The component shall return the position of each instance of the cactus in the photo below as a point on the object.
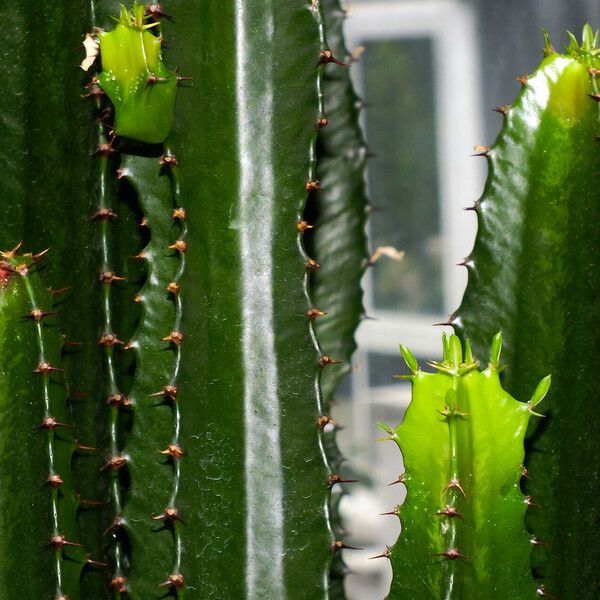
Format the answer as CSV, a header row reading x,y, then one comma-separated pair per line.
x,y
533,272
463,528
37,443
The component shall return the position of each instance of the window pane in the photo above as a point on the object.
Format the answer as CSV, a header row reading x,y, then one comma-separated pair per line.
x,y
398,85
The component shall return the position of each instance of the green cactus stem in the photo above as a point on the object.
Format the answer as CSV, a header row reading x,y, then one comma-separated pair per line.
x,y
463,520
135,78
534,273
39,502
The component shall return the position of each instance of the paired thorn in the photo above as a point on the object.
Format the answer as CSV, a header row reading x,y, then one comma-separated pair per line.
x,y
335,478
51,424
54,481
476,206
338,545
119,584
450,511
176,580
314,313
324,420
174,288
115,463
392,513
401,479
326,57
175,337
327,360
37,315
169,514
59,542
108,277
109,340
481,150
118,400
522,79
156,12
45,368
502,109
312,265
104,214
455,484
174,451
169,160
452,554
385,554
302,226
169,391
105,148
179,245
179,213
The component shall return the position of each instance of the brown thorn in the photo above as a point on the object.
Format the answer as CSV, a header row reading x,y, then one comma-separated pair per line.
x,y
312,265
59,291
481,150
302,226
81,448
119,584
324,420
144,222
338,545
314,313
326,57
541,591
327,360
115,463
109,340
45,368
175,337
59,542
322,122
12,253
169,514
525,472
51,424
175,451
39,255
168,160
91,502
118,400
452,554
179,245
137,299
455,484
95,563
530,503
450,511
385,554
522,79
176,581
139,256
54,480
335,478
117,523
400,479
595,97
174,288
109,277
502,109
37,315
313,185
169,391
179,213
104,214
391,513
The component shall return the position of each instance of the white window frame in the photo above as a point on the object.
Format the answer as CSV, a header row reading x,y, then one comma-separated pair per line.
x,y
451,26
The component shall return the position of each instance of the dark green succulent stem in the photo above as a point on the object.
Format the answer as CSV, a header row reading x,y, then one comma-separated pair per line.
x,y
534,272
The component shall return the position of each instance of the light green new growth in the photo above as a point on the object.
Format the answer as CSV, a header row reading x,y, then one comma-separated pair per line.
x,y
135,78
463,530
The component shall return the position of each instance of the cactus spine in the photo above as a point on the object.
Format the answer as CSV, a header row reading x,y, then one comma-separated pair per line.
x,y
533,272
463,521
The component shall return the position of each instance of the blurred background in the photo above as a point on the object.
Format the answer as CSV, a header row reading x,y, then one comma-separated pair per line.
x,y
430,74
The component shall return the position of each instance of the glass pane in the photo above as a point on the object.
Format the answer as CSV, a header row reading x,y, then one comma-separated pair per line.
x,y
398,85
